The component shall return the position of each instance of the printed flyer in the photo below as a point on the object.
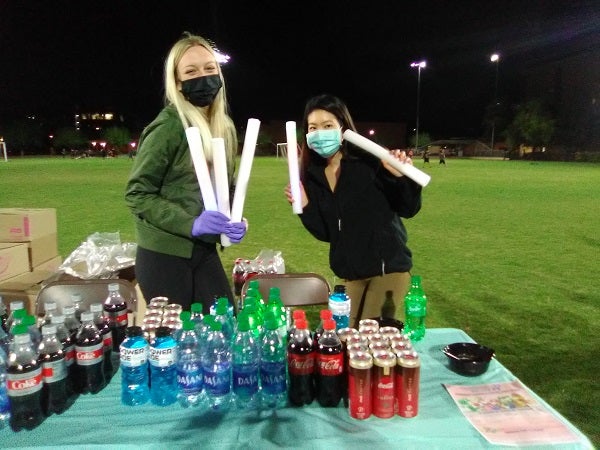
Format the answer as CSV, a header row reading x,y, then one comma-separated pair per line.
x,y
507,414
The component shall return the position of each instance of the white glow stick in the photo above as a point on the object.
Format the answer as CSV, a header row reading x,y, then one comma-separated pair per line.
x,y
409,170
221,181
292,153
241,184
197,151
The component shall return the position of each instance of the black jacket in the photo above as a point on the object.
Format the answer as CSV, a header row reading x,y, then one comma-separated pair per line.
x,y
361,219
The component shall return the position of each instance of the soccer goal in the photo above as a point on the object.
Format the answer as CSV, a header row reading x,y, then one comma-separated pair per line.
x,y
282,148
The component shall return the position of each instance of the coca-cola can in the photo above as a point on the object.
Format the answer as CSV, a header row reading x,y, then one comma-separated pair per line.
x,y
174,323
408,371
172,308
153,315
377,337
359,385
389,331
360,339
378,346
345,333
368,323
384,364
159,301
401,346
154,311
356,347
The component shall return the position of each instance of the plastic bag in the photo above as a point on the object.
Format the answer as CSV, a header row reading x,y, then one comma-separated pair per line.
x,y
100,256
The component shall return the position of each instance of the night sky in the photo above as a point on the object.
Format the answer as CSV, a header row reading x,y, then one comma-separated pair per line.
x,y
57,57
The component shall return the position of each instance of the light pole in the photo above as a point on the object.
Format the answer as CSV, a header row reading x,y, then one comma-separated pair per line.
x,y
495,58
419,65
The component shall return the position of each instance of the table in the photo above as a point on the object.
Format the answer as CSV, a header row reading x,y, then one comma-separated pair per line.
x,y
100,421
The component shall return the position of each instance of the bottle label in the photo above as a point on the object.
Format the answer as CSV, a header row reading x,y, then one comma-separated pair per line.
x,y
163,357
301,364
272,378
133,357
54,371
415,310
117,317
88,356
330,365
107,341
245,379
190,377
20,384
217,382
69,355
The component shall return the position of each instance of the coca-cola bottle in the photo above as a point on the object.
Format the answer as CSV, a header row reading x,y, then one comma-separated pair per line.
x,y
102,324
301,365
324,314
89,356
115,308
24,382
68,346
329,373
55,396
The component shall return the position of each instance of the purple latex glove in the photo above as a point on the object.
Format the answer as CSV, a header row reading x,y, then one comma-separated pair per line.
x,y
210,222
235,231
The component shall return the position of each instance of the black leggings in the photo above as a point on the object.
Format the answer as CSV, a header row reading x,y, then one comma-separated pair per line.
x,y
200,278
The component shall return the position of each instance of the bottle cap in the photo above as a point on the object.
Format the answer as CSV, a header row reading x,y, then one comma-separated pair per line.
x,y
16,304
134,331
28,320
196,308
339,288
185,315
298,314
19,314
58,318
112,287
329,324
20,329
68,310
49,306
253,284
87,316
274,292
48,330
216,326
222,305
301,324
243,321
208,319
163,332
96,307
270,321
325,314
76,297
188,325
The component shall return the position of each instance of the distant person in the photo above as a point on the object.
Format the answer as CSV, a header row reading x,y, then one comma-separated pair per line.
x,y
176,236
355,202
426,157
442,157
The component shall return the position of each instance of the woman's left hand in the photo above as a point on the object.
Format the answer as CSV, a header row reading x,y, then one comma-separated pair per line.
x,y
401,156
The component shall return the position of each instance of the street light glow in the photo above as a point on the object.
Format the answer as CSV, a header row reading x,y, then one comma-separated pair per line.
x,y
495,57
419,64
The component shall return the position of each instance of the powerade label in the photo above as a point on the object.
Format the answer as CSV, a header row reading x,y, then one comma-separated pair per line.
x,y
245,379
330,365
20,384
88,356
190,378
301,364
53,371
272,377
133,357
163,357
217,383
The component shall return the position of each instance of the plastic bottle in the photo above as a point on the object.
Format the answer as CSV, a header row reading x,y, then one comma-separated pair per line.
x,y
273,364
55,394
329,373
245,352
415,310
89,356
4,400
133,355
77,302
296,314
102,324
3,315
255,317
34,331
68,345
301,365
196,316
276,306
115,308
388,309
24,383
15,305
189,366
324,314
163,369
49,310
4,341
216,365
71,322
221,315
339,304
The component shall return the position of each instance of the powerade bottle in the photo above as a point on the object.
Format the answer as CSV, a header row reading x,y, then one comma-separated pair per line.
x,y
245,362
273,364
163,370
102,323
216,365
339,304
189,366
115,308
55,393
415,310
89,356
134,368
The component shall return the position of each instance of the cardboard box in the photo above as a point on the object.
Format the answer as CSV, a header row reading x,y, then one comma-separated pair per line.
x,y
14,259
25,224
51,265
42,249
24,287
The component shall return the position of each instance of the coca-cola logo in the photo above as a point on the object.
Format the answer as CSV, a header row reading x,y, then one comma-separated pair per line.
x,y
385,385
301,365
330,365
24,384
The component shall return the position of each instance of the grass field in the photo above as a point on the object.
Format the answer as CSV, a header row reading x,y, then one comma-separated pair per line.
x,y
508,251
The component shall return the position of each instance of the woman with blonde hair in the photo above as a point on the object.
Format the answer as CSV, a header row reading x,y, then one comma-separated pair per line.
x,y
176,236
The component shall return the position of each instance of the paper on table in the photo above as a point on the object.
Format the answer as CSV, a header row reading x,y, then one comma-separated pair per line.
x,y
241,184
506,414
221,182
409,170
201,168
292,152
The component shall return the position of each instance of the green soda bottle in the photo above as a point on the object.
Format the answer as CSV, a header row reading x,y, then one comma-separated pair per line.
x,y
415,310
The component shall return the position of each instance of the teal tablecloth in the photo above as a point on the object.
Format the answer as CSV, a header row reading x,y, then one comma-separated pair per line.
x,y
100,420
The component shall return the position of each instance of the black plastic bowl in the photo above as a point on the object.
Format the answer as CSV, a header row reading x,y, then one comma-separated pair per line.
x,y
389,322
467,358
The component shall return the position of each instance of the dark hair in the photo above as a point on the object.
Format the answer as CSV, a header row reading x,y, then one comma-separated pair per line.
x,y
333,105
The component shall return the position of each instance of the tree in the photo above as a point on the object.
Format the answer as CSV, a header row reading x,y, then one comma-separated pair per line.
x,y
23,136
69,138
424,139
532,125
118,137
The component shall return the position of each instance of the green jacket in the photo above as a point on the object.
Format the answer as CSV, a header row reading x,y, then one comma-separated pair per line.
x,y
163,192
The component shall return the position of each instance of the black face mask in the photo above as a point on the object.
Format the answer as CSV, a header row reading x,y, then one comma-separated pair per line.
x,y
201,91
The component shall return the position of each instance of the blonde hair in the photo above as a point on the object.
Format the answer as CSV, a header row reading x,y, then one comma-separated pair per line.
x,y
212,121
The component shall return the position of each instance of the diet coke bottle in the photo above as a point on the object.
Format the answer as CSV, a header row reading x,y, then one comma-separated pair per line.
x,y
24,382
89,355
55,395
115,309
301,365
103,325
68,346
329,374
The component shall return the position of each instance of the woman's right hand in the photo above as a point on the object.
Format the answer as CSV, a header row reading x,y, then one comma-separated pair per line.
x,y
290,198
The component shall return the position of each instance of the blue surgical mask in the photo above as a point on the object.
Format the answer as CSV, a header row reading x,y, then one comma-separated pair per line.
x,y
325,142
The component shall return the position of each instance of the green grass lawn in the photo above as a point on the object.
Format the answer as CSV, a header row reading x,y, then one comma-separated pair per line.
x,y
508,251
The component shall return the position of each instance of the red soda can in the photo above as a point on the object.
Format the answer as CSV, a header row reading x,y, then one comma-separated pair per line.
x,y
407,383
359,385
384,363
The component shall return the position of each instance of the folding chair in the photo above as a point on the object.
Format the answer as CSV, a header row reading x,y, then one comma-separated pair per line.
x,y
296,289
